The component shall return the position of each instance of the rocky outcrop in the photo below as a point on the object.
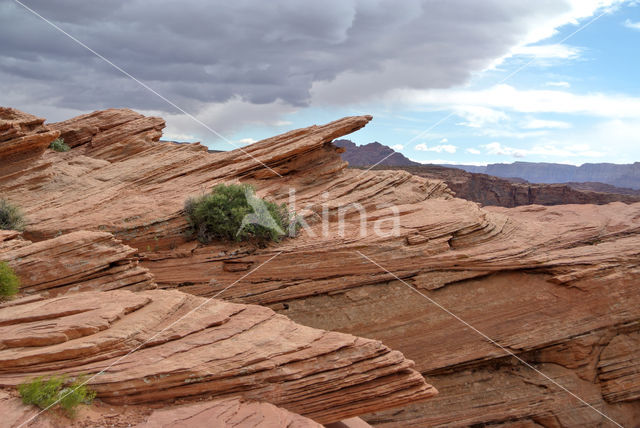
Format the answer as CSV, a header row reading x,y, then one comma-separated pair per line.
x,y
78,261
136,189
489,190
155,346
557,286
224,413
618,368
112,135
23,138
227,413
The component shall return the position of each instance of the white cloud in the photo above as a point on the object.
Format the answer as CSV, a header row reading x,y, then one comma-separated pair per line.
x,y
551,51
246,141
479,116
617,139
496,148
227,118
480,106
390,45
444,140
397,147
548,149
508,133
473,151
171,136
448,148
377,82
633,25
539,123
561,84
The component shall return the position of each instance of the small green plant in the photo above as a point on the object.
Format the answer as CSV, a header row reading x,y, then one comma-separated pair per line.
x,y
233,212
56,391
11,217
9,281
59,145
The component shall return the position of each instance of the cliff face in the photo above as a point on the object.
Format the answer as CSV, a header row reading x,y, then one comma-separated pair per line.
x,y
557,286
488,190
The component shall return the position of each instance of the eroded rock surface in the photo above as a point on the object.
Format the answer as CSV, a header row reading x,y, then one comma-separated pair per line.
x,y
555,285
155,346
227,413
23,138
78,261
224,413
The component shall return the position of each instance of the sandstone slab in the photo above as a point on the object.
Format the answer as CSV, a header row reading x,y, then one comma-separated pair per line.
x,y
155,346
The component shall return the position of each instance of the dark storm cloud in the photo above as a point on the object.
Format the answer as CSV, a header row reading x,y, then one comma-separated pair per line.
x,y
197,52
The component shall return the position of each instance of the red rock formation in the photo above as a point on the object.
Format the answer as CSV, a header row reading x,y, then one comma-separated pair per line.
x,y
227,413
23,138
555,285
137,188
78,261
155,346
112,135
224,413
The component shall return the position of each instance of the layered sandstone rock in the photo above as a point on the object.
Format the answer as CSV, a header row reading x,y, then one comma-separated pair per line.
x,y
23,138
135,187
155,346
555,285
224,413
112,135
227,413
78,261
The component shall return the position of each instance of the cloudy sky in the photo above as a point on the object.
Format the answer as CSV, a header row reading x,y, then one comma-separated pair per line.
x,y
447,81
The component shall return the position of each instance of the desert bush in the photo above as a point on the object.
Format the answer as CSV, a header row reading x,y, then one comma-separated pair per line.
x,y
59,145
11,217
55,391
9,281
233,212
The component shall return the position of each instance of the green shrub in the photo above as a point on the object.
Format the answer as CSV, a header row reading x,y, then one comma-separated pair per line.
x,y
59,145
54,391
233,212
9,281
11,217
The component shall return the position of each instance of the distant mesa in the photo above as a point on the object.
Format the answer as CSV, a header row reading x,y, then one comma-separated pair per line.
x,y
619,175
371,154
512,185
